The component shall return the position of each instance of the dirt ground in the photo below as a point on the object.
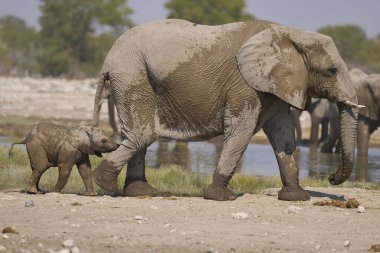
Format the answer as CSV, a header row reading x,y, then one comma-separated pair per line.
x,y
183,224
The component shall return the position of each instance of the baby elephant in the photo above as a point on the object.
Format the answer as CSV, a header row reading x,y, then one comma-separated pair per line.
x,y
49,145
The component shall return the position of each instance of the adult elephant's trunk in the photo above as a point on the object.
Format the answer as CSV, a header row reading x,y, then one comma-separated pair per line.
x,y
348,120
98,99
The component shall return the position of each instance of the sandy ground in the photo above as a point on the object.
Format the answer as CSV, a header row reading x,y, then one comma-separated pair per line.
x,y
183,224
106,224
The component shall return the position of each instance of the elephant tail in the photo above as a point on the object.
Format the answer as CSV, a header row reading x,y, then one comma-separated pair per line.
x,y
104,76
24,141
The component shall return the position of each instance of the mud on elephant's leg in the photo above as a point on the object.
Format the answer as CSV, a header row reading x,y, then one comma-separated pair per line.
x,y
238,133
106,174
135,180
84,168
280,132
64,173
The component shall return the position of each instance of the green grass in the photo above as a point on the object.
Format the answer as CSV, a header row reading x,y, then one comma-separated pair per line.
x,y
169,180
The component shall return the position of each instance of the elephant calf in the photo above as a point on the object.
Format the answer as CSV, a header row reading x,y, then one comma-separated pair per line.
x,y
50,145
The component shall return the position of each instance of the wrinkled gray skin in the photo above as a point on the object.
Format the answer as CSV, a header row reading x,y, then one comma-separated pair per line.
x,y
184,81
324,113
49,145
368,92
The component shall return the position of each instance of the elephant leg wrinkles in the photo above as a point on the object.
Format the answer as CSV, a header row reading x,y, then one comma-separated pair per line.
x,y
280,132
238,132
135,180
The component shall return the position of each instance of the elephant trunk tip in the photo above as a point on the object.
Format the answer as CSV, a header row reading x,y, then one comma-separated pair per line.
x,y
337,178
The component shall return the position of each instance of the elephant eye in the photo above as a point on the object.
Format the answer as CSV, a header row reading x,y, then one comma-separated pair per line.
x,y
104,140
332,71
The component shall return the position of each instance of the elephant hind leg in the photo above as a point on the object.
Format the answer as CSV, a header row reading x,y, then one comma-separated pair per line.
x,y
135,180
39,164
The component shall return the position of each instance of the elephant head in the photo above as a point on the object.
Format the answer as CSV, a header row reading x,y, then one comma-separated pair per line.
x,y
368,92
295,65
91,140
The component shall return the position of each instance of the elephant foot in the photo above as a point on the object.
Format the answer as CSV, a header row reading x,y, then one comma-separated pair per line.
x,y
220,193
90,193
106,177
139,188
293,193
31,189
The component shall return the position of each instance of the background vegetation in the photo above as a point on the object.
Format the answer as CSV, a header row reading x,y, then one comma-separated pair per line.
x,y
75,35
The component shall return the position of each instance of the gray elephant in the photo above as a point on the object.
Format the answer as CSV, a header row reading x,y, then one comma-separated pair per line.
x,y
325,113
49,145
368,92
185,81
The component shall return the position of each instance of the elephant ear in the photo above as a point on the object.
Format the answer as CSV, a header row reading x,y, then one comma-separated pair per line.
x,y
80,138
271,62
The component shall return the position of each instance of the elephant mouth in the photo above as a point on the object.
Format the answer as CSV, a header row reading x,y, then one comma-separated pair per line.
x,y
98,154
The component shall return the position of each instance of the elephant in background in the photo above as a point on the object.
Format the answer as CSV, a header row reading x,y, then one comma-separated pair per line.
x,y
184,81
325,113
49,145
368,93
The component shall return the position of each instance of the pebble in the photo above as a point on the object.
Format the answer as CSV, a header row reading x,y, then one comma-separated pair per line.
x,y
361,209
5,236
168,225
154,207
240,216
139,217
29,203
40,245
2,248
317,247
75,250
292,210
347,244
139,222
68,243
64,251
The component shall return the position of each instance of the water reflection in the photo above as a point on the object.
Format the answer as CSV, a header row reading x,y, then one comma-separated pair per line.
x,y
258,159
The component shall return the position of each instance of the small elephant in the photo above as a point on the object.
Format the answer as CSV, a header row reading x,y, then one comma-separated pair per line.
x,y
49,145
179,80
368,92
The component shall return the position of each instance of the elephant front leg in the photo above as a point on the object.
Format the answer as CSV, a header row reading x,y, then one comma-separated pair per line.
x,y
64,173
84,168
238,133
135,180
280,132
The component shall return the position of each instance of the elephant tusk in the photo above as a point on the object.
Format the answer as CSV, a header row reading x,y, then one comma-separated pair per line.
x,y
350,104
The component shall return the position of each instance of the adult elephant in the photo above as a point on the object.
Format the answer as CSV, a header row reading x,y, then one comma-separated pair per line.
x,y
185,81
368,92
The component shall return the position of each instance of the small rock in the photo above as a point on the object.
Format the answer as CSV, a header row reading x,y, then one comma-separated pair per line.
x,y
361,209
317,247
154,207
9,230
292,210
73,210
64,251
40,245
139,222
76,204
5,236
240,216
2,248
75,250
347,244
139,217
270,191
23,241
75,225
68,243
168,225
29,203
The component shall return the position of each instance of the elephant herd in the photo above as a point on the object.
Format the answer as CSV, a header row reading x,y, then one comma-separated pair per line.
x,y
183,81
325,113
